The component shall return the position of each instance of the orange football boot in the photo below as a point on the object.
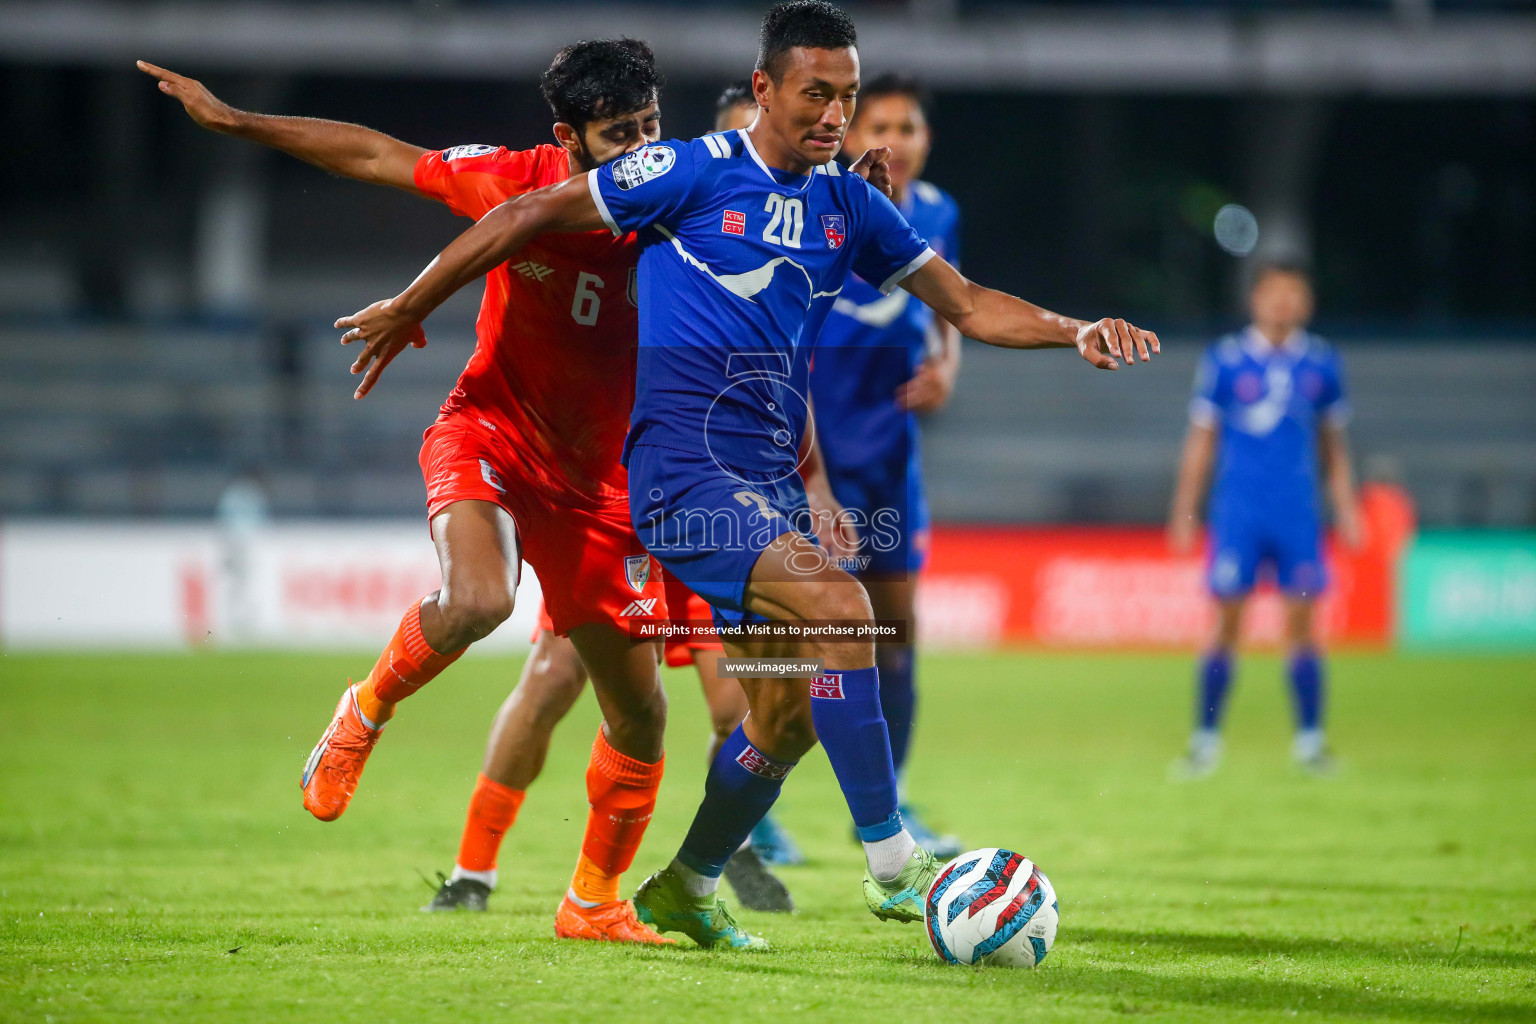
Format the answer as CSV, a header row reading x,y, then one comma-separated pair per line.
x,y
336,764
606,922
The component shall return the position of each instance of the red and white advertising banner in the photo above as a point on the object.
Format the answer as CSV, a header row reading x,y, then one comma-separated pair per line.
x,y
311,585
1089,587
346,584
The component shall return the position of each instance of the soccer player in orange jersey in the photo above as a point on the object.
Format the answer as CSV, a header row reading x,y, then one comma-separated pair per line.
x,y
523,459
553,678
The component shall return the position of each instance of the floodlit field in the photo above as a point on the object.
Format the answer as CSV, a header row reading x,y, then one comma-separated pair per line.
x,y
156,864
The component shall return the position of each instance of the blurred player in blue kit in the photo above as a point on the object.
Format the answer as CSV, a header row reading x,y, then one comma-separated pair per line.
x,y
882,359
748,239
1269,410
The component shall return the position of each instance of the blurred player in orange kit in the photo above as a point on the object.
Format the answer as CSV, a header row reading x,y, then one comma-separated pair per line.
x,y
552,680
523,459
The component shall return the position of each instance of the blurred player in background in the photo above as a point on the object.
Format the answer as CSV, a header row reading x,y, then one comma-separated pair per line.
x,y
1269,407
880,360
736,107
523,459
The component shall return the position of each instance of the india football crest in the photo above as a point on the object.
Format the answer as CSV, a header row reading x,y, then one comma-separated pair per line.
x,y
637,572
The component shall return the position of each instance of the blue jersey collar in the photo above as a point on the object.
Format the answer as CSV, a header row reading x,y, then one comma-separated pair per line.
x,y
746,140
1258,347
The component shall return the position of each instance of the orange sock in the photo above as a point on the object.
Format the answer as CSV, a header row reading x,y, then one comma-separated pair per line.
x,y
492,810
622,794
406,665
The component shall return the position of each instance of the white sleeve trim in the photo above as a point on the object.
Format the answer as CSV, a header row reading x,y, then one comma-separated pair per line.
x,y
1203,412
889,284
602,207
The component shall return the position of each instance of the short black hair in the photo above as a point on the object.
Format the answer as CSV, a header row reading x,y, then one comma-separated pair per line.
x,y
811,23
598,78
894,83
736,93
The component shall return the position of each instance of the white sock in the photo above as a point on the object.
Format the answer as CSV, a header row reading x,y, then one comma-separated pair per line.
x,y
694,883
888,856
487,878
1205,743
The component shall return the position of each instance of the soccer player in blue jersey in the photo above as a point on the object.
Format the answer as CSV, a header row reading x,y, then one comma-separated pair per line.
x,y
882,359
748,240
735,107
1269,406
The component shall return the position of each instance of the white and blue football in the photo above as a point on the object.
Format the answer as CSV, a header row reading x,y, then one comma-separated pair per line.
x,y
991,907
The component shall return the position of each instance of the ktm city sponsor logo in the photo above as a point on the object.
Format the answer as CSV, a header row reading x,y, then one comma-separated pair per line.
x,y
757,763
734,223
827,687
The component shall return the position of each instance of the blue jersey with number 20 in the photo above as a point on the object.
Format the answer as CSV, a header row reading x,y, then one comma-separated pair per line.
x,y
740,265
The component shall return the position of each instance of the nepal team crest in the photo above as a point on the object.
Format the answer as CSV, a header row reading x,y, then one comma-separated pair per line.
x,y
835,228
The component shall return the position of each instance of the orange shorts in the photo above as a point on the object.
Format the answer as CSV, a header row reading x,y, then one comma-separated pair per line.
x,y
682,603
590,563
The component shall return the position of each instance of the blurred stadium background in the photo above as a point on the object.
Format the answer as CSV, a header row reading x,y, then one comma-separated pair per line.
x,y
181,461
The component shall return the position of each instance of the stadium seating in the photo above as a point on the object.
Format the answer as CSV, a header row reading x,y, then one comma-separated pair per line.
x,y
139,420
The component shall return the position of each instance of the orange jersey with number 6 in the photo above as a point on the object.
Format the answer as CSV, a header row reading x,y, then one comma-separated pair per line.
x,y
553,371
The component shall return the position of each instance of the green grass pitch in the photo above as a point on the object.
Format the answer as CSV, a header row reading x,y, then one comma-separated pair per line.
x,y
156,864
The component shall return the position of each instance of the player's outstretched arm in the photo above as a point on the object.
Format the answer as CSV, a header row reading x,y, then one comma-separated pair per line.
x,y
997,318
349,150
1333,445
387,327
1194,470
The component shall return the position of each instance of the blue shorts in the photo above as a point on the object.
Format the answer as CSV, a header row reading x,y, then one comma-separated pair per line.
x,y
891,506
1284,542
707,526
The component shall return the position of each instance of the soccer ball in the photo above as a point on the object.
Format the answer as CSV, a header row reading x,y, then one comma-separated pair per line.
x,y
991,907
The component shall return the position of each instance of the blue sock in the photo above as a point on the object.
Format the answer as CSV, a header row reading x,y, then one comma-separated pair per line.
x,y
898,700
1215,677
845,707
1306,671
742,784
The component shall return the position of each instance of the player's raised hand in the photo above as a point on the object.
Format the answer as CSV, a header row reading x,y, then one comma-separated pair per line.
x,y
202,106
385,334
875,167
834,525
929,388
1104,341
